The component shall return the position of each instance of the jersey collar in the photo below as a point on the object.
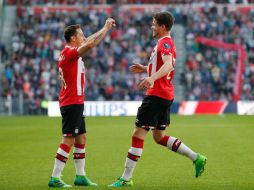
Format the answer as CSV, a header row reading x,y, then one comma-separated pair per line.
x,y
168,36
71,47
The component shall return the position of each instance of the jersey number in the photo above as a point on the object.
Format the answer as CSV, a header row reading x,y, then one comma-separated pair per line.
x,y
171,73
61,76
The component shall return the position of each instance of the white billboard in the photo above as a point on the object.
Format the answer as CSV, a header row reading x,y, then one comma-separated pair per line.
x,y
245,107
101,108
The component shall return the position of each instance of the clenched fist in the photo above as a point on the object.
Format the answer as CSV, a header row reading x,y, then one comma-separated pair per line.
x,y
109,23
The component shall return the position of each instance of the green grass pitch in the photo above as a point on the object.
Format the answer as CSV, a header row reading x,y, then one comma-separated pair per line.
x,y
28,146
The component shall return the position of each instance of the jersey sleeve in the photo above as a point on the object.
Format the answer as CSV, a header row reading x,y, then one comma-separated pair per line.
x,y
72,53
165,48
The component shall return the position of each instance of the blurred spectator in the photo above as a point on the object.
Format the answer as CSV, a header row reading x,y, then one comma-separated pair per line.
x,y
3,53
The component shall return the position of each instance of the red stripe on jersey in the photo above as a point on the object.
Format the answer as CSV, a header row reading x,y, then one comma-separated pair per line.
x,y
164,140
79,155
81,146
137,143
65,147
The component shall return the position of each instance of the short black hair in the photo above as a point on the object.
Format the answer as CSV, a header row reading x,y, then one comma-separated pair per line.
x,y
164,18
70,31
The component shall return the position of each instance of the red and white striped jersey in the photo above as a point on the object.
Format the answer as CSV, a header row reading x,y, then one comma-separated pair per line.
x,y
163,87
72,76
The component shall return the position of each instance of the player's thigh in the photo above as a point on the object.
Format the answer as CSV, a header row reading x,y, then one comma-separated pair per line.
x,y
72,119
82,126
164,116
147,115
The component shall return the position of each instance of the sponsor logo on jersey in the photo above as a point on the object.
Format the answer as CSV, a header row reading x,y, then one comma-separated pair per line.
x,y
166,45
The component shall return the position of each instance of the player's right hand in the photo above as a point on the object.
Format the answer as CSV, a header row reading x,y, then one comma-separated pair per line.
x,y
137,68
109,23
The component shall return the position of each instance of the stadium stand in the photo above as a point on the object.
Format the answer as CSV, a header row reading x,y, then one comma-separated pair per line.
x,y
210,72
89,2
31,67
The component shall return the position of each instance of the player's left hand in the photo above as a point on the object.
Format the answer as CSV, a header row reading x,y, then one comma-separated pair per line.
x,y
137,68
146,83
109,23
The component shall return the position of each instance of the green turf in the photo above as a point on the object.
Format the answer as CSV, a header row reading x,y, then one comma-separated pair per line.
x,y
28,146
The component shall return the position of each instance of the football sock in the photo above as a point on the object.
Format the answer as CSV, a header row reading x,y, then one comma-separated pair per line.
x,y
176,145
79,156
133,156
60,160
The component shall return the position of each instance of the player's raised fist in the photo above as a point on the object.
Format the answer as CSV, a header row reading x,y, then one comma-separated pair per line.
x,y
110,22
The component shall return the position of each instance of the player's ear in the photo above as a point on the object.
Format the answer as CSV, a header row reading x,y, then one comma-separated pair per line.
x,y
73,38
164,27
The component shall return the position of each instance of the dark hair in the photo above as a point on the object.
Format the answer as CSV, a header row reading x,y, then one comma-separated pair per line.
x,y
164,18
70,31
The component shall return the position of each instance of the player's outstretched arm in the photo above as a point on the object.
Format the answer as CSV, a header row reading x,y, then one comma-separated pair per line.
x,y
96,38
138,68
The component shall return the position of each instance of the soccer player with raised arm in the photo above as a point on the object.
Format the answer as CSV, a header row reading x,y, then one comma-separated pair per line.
x,y
155,108
71,100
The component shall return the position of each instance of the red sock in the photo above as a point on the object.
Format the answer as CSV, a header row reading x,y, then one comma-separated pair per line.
x,y
164,140
63,152
137,143
79,151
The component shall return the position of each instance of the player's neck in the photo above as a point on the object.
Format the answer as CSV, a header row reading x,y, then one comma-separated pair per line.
x,y
71,44
166,34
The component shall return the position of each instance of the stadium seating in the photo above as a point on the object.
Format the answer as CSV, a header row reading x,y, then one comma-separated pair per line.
x,y
208,73
86,2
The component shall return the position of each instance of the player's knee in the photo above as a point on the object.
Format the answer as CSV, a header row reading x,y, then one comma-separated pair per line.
x,y
139,133
80,139
68,141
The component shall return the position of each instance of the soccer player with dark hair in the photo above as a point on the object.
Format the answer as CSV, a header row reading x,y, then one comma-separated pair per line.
x,y
155,108
71,100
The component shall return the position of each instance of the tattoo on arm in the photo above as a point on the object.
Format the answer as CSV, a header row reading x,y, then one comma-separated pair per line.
x,y
98,38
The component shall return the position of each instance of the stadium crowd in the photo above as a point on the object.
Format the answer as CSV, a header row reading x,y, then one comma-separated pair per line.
x,y
208,75
210,72
89,2
38,40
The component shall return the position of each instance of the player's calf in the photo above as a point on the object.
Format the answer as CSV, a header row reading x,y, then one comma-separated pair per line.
x,y
133,156
178,146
